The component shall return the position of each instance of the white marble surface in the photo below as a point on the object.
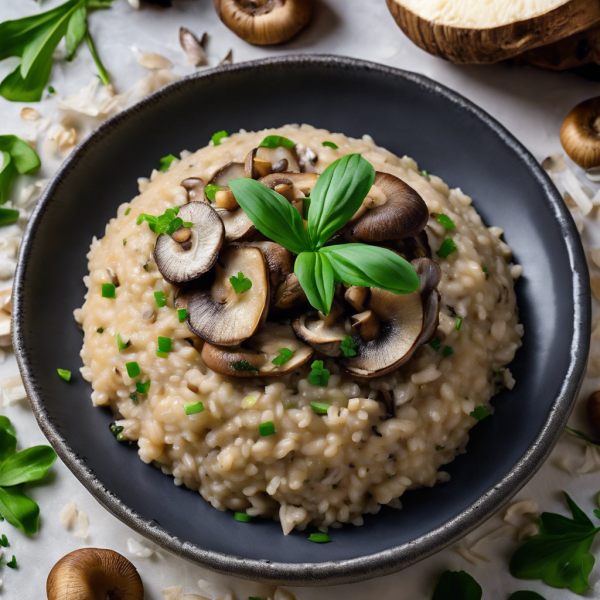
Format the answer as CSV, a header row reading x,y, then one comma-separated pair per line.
x,y
529,103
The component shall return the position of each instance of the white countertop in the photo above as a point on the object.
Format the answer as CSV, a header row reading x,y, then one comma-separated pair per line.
x,y
530,103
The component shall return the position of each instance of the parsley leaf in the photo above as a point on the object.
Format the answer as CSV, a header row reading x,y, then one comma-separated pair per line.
x,y
318,375
167,223
240,283
217,137
165,162
284,355
18,158
348,347
457,585
560,554
480,413
244,365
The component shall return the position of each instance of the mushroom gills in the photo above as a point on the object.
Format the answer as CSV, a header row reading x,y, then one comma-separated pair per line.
x,y
258,352
181,262
323,333
218,314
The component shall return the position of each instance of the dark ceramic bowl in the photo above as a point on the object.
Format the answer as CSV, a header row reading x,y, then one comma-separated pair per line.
x,y
404,112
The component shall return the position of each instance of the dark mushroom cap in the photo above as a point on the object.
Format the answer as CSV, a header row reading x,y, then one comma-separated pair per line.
x,y
232,170
404,214
183,262
219,315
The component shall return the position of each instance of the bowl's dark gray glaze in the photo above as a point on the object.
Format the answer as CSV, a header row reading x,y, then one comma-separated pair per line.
x,y
404,112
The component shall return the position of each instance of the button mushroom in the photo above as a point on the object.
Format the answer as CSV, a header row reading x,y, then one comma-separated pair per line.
x,y
256,359
189,252
323,332
220,315
194,187
94,574
580,133
263,161
403,215
264,22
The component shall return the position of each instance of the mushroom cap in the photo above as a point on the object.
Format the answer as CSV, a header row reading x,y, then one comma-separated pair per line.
x,y
194,187
303,182
219,315
232,170
237,223
178,265
261,349
289,294
94,574
580,133
280,261
404,214
274,156
264,22
324,333
430,276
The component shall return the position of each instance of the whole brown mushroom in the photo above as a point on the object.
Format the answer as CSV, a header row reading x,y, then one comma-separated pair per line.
x,y
264,22
94,574
580,133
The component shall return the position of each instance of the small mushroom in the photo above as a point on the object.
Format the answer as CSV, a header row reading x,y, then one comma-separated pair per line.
x,y
180,262
323,332
580,133
357,297
263,161
94,574
289,294
225,199
403,215
264,22
259,352
366,324
194,187
218,314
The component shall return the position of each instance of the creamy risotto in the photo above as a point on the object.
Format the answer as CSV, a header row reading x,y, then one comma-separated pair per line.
x,y
225,419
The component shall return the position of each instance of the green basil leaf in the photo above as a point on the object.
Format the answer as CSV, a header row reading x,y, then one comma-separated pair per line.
x,y
271,213
24,156
337,195
8,172
526,595
372,266
75,30
457,585
19,510
16,89
8,440
274,141
315,275
27,465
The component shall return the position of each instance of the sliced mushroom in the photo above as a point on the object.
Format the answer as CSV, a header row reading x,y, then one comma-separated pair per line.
x,y
403,215
180,262
259,352
580,133
195,188
307,159
238,225
357,297
218,314
289,294
94,574
367,325
430,276
324,333
280,261
263,161
264,22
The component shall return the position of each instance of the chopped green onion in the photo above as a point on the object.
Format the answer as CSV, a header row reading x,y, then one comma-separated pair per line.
x,y
217,137
117,431
182,314
12,564
435,344
51,90
128,211
133,369
211,190
100,330
108,290
274,141
162,354
64,374
480,413
438,448
121,345
348,346
425,174
487,275
142,387
318,375
242,517
160,299
319,538
458,323
134,397
164,343
4,541
8,216
331,145
447,351
266,429
240,283
243,365
284,355
124,241
320,407
249,401
193,408
147,267
445,220
447,248
165,162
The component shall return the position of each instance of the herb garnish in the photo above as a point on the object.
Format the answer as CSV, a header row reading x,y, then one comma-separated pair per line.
x,y
4,541
165,162
133,369
182,314
487,275
108,290
266,429
337,195
167,223
34,40
18,156
243,365
8,216
159,298
319,538
217,137
274,141
445,220
117,431
242,517
560,554
318,375
211,191
100,330
425,174
16,469
164,346
12,563
458,323
480,413
121,344
457,585
320,407
284,355
142,387
586,438
348,346
193,408
447,247
240,283
331,145
435,344
64,374
447,351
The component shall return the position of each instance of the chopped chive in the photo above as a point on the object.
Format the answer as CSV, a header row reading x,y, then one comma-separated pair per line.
x,y
12,564
133,369
249,401
319,538
211,190
480,413
64,374
117,431
458,323
438,448
447,351
100,330
121,345
487,275
425,174
134,397
318,375
266,429
284,355
8,216
331,145
4,541
160,299
108,290
165,162
435,344
447,248
348,346
445,220
192,408
217,137
162,354
128,211
147,267
142,387
164,343
274,141
320,407
124,241
51,90
242,517
182,314
392,476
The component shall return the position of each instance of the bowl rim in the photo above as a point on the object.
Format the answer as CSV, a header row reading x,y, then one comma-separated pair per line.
x,y
398,557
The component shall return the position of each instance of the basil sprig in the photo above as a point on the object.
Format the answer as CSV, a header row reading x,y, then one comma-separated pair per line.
x,y
18,158
337,195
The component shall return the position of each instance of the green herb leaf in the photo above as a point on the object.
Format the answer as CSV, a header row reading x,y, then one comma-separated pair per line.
x,y
12,563
142,387
318,375
560,554
192,408
337,195
457,585
133,369
266,429
165,162
445,220
8,440
458,323
240,283
448,246
284,355
526,595
271,213
4,541
348,347
108,290
448,351
8,216
319,538
19,510
425,174
64,374
315,274
274,141
435,344
320,407
242,517
487,274
164,343
211,191
18,158
371,266
159,298
331,145
182,314
480,413
27,465
243,365
217,137
75,30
